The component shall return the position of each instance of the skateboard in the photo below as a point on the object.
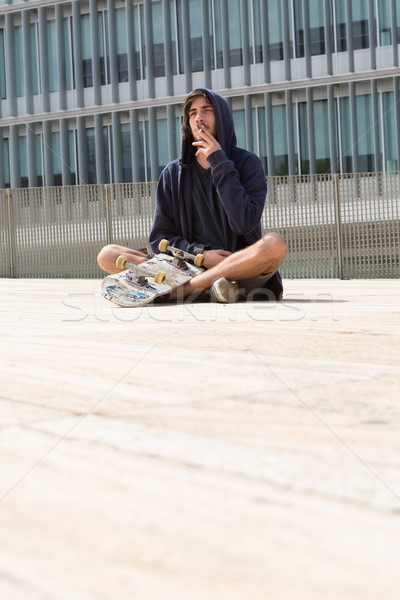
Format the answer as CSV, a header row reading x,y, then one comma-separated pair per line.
x,y
138,285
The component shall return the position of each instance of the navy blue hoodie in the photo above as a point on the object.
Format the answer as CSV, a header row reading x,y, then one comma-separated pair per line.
x,y
238,177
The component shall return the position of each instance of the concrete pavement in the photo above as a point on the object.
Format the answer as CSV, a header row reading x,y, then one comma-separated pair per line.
x,y
200,451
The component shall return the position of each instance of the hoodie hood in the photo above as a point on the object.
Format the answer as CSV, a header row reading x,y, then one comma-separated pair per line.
x,y
224,125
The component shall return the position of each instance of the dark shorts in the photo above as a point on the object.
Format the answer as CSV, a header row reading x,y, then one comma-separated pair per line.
x,y
253,287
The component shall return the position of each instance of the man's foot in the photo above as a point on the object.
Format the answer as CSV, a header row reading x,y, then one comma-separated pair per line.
x,y
224,291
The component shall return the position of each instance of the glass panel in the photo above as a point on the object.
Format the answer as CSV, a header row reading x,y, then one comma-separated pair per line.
x,y
101,26
3,89
107,157
398,20
240,128
345,135
146,151
299,28
385,22
38,152
275,29
341,27
255,35
389,126
321,126
158,39
52,55
72,155
303,137
140,48
360,24
365,134
261,138
6,163
317,30
56,152
23,161
196,39
235,33
68,52
179,27
19,62
126,152
122,55
162,135
173,36
141,145
86,51
91,155
34,58
217,27
280,140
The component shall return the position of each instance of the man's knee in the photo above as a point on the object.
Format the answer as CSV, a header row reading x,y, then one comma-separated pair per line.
x,y
107,256
273,246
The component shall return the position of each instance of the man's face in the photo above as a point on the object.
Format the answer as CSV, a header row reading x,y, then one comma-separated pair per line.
x,y
201,116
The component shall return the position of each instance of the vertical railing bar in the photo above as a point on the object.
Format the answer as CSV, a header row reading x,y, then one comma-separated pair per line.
x,y
11,231
338,224
108,213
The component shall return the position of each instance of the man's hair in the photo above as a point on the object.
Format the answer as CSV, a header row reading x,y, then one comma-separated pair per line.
x,y
186,131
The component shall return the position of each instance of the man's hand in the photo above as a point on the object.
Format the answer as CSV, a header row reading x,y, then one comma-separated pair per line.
x,y
206,143
214,257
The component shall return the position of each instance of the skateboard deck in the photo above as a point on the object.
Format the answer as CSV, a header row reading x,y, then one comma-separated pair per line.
x,y
140,284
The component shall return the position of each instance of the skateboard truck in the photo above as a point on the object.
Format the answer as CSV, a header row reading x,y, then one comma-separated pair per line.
x,y
181,255
141,273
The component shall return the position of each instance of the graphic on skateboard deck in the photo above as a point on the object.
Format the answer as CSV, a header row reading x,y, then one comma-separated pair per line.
x,y
140,284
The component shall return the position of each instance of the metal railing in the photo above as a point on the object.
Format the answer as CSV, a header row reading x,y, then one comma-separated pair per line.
x,y
335,226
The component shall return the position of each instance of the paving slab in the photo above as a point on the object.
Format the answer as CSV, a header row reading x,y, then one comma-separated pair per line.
x,y
200,451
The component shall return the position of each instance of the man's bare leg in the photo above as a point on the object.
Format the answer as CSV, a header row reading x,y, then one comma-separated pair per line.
x,y
265,256
107,257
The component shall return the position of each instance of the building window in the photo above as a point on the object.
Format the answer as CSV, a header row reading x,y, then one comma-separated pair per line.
x,y
366,162
196,36
34,57
275,29
341,26
23,161
52,55
389,126
86,51
126,152
38,159
56,158
122,49
3,88
140,47
235,34
72,155
69,70
346,147
317,29
360,24
91,155
158,39
321,127
216,28
19,62
255,33
6,162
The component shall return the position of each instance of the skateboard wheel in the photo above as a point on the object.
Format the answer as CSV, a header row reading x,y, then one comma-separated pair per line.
x,y
163,245
198,260
121,262
159,277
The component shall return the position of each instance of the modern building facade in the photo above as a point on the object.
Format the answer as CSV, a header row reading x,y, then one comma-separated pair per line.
x,y
92,91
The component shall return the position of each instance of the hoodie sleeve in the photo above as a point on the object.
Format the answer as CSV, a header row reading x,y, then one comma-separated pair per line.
x,y
167,219
243,193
